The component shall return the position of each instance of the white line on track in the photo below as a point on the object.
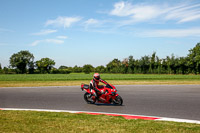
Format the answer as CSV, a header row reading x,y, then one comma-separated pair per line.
x,y
127,116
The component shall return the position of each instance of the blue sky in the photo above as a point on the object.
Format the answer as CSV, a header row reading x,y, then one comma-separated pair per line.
x,y
97,31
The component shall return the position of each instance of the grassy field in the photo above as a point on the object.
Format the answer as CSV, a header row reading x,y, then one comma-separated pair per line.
x,y
21,80
47,122
80,76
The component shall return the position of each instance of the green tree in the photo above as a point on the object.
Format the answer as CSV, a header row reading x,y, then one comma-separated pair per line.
x,y
163,66
183,65
100,69
77,69
172,64
5,70
194,59
63,67
176,65
124,66
21,60
145,64
168,62
45,64
152,62
114,66
88,68
1,71
137,68
131,64
31,67
158,66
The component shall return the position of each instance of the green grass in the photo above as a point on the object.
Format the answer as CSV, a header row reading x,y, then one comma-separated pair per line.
x,y
75,79
51,122
77,76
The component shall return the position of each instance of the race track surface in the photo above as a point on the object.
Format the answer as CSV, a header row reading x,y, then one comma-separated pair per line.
x,y
174,101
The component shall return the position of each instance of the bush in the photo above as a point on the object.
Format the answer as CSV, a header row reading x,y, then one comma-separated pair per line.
x,y
1,71
6,70
60,71
88,69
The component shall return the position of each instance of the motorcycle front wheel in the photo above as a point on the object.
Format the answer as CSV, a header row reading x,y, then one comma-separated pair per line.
x,y
88,98
118,100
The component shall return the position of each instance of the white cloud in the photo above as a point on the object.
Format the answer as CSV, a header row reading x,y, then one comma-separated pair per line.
x,y
36,42
91,21
122,9
62,37
96,25
145,12
63,21
190,18
137,12
192,32
185,13
54,41
45,32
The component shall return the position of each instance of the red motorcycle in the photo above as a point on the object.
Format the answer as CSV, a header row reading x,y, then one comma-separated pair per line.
x,y
108,94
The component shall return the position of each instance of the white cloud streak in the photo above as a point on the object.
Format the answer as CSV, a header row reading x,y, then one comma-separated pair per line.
x,y
62,37
45,32
53,41
185,13
65,22
171,33
145,12
138,12
91,21
97,25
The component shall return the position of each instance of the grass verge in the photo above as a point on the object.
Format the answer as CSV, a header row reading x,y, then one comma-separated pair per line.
x,y
47,122
81,76
78,83
75,79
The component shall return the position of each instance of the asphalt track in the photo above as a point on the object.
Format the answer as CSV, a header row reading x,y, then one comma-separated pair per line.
x,y
174,101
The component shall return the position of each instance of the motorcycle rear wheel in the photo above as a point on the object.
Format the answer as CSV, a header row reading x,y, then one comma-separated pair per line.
x,y
118,100
88,98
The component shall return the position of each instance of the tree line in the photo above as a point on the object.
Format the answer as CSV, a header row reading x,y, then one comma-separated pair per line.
x,y
23,62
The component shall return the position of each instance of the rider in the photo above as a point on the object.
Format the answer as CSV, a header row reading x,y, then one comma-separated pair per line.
x,y
94,84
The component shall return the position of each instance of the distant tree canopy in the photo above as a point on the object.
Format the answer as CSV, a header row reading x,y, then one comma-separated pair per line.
x,y
63,67
194,59
44,65
148,64
114,66
21,61
77,69
100,69
88,68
